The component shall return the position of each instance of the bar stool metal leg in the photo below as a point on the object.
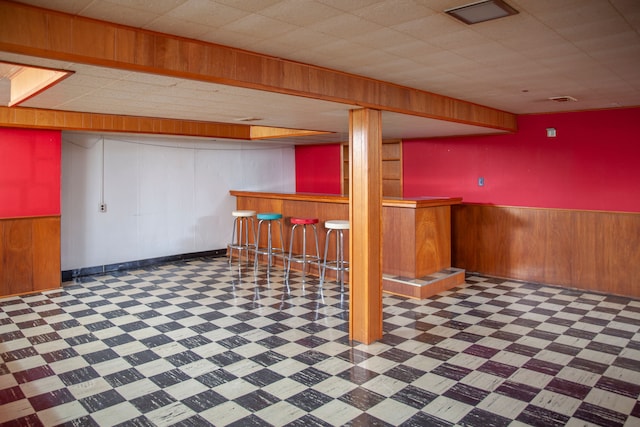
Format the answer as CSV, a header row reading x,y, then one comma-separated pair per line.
x,y
270,251
304,258
339,264
243,222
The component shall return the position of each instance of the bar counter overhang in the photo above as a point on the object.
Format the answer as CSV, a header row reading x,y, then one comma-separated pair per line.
x,y
416,252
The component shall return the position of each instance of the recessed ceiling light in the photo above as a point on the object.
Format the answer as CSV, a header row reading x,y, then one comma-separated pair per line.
x,y
480,11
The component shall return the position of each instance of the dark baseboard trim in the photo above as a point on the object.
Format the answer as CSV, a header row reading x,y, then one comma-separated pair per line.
x,y
68,275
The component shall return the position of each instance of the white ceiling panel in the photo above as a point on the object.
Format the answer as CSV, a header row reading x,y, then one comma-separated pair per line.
x,y
589,49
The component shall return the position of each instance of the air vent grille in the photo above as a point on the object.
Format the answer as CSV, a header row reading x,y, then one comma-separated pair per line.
x,y
565,98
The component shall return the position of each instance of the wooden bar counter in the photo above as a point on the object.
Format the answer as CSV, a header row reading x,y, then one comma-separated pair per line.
x,y
416,234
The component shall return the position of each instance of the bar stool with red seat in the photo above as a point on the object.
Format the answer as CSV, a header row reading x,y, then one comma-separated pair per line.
x,y
303,258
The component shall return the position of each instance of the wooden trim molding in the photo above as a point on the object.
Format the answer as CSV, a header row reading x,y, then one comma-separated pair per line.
x,y
592,250
36,118
34,31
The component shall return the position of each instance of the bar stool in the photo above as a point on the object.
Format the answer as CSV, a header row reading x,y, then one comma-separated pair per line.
x,y
304,258
339,264
242,221
270,251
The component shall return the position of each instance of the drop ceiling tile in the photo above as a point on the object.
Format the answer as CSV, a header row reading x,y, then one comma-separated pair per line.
x,y
553,50
254,25
249,5
82,82
302,38
345,26
425,28
415,50
577,13
349,6
108,73
593,30
68,6
620,44
228,38
458,39
299,13
155,6
271,48
172,25
123,14
393,12
489,53
344,48
380,69
518,32
151,80
365,63
383,38
205,12
446,61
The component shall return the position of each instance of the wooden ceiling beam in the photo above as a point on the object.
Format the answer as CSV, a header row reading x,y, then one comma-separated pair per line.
x,y
54,35
38,118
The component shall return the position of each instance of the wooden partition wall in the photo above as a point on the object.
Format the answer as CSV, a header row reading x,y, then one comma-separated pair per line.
x,y
590,250
29,254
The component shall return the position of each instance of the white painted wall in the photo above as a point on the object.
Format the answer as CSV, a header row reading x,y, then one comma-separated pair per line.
x,y
164,196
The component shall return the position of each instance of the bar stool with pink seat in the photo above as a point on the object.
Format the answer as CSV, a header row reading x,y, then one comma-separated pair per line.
x,y
304,257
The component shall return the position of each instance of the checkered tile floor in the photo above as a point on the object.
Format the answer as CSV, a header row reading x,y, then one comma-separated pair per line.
x,y
198,343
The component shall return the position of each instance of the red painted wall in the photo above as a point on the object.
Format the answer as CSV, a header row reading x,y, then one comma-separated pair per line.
x,y
592,164
29,172
318,169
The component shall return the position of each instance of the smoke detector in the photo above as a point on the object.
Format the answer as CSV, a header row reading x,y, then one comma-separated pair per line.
x,y
565,98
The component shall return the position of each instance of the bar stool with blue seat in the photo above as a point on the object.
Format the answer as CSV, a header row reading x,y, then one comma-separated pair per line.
x,y
338,264
243,223
303,257
270,250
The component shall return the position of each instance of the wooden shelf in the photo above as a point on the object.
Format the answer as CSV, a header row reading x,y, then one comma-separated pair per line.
x,y
391,168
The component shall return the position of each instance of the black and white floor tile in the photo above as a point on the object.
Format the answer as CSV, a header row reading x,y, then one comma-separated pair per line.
x,y
198,343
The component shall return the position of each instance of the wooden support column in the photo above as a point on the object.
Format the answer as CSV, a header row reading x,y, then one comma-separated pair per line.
x,y
365,215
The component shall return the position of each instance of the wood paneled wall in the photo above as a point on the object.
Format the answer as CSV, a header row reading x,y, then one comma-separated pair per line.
x,y
591,250
29,254
391,168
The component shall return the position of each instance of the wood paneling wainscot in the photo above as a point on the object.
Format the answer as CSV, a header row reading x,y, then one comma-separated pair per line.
x,y
591,250
29,254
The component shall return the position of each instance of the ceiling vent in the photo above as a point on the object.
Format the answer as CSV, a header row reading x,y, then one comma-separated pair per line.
x,y
481,11
249,119
565,98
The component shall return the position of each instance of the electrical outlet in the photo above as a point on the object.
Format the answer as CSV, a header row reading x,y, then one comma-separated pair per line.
x,y
481,181
103,207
